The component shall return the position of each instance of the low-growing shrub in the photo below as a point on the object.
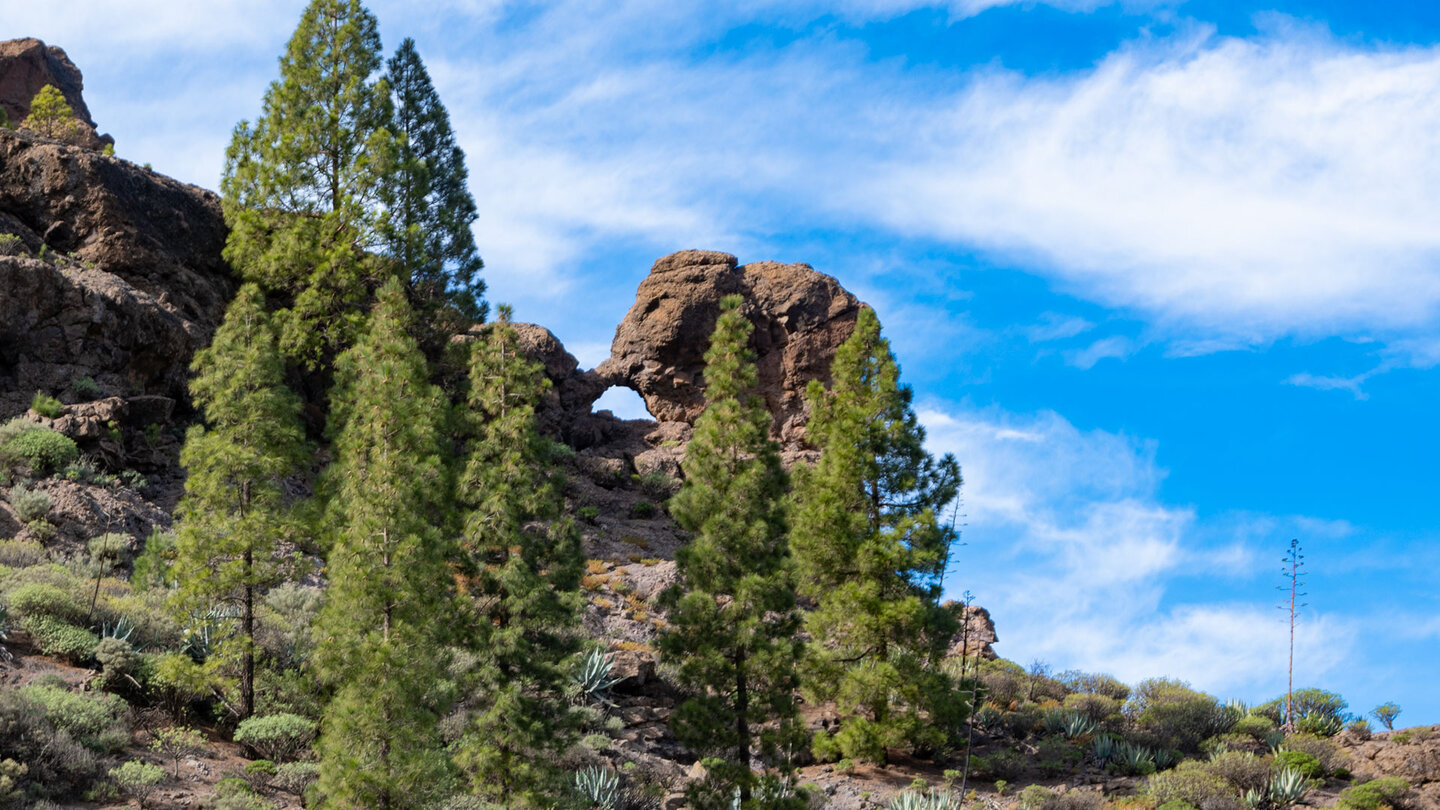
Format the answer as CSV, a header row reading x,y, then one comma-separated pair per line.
x,y
62,639
175,743
1001,765
36,599
1100,709
1170,714
41,450
1390,791
296,777
30,505
278,737
86,388
92,719
642,510
137,779
1255,725
55,762
1192,783
1300,761
1086,683
1243,770
1323,749
21,553
1076,800
110,549
1033,797
118,660
45,405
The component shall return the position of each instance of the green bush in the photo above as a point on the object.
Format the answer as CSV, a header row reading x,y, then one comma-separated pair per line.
x,y
56,763
1191,783
1076,800
1324,750
1255,725
1316,703
278,737
296,777
642,510
1300,761
37,599
1243,770
1086,683
1170,714
110,549
21,553
1001,765
1005,682
1034,797
47,406
118,659
41,450
1102,709
152,566
92,719
175,743
86,388
30,505
138,779
62,639
1388,792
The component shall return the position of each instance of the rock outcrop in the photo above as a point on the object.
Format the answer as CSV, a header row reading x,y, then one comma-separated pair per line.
x,y
107,271
801,317
26,65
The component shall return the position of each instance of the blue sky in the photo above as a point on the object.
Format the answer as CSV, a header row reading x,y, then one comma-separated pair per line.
x,y
1165,275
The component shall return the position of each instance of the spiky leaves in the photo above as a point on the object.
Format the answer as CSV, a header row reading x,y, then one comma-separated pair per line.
x,y
430,206
390,585
871,551
303,184
523,582
732,616
234,508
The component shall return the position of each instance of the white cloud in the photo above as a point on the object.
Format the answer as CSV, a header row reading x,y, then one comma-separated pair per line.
x,y
1079,559
1055,326
1115,347
1330,383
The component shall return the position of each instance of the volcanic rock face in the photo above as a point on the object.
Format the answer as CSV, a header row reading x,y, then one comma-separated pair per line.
x,y
801,317
26,65
107,271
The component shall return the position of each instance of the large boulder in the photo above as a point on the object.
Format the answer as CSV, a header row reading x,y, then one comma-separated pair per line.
x,y
26,65
801,317
107,271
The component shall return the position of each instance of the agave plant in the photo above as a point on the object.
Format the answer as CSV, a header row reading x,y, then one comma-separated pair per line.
x,y
121,629
599,786
1078,725
1287,787
932,799
1134,759
985,717
1164,758
1105,747
1257,799
207,629
1275,740
594,677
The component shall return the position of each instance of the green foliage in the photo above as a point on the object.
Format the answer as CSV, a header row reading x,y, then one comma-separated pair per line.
x,y
642,510
118,660
732,613
1323,749
94,720
30,505
296,777
303,184
110,549
999,765
234,510
1310,702
51,115
1241,769
389,592
154,566
1386,714
21,553
1172,715
1391,791
34,600
1033,797
138,779
935,800
45,405
175,743
1299,761
52,761
86,388
1254,725
40,450
871,550
278,737
1087,683
430,206
523,567
593,679
1190,782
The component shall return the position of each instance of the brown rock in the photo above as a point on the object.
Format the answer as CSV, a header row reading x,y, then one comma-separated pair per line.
x,y
27,65
132,282
800,318
976,635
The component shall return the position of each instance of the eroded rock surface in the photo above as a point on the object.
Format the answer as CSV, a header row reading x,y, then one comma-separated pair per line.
x,y
107,271
801,317
26,65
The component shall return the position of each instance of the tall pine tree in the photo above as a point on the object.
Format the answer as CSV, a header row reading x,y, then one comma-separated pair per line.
x,y
871,550
234,508
390,585
523,586
430,206
732,615
303,186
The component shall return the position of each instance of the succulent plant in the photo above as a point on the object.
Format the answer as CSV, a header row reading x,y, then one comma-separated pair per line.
x,y
930,800
599,786
594,677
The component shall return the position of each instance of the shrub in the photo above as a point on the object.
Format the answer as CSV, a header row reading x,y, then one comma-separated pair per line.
x,y
1172,715
86,388
589,514
1005,682
1300,761
1076,800
278,737
39,599
138,779
1308,703
118,660
1034,797
1006,764
152,566
1191,783
41,450
1390,791
642,510
1101,709
53,758
658,485
47,406
296,777
1326,753
1386,714
1057,756
21,553
110,549
1255,725
1243,770
175,743
30,505
94,720
1086,683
